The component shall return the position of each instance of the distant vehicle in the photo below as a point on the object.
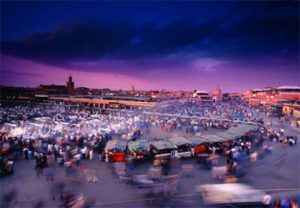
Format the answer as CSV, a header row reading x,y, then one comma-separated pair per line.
x,y
230,194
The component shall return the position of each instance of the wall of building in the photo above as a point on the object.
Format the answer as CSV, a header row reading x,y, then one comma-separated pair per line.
x,y
291,110
105,103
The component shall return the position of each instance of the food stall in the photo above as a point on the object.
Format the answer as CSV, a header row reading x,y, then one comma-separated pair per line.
x,y
162,148
115,150
229,138
199,145
183,146
214,140
242,130
139,149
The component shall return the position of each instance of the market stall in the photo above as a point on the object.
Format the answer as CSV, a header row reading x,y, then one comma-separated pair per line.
x,y
183,146
139,149
199,145
115,150
162,148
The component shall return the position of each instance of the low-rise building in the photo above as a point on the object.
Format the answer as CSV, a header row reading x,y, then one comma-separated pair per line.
x,y
273,96
202,96
115,102
291,110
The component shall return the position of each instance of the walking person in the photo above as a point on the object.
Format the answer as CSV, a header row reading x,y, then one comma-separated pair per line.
x,y
91,153
38,166
285,202
267,200
26,154
49,173
44,160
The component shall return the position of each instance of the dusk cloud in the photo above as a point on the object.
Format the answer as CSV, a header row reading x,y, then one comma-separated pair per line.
x,y
244,37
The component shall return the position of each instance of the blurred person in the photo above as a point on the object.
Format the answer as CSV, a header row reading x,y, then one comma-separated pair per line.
x,y
38,166
26,153
9,197
91,154
55,154
57,189
253,157
66,198
165,167
29,154
285,202
44,160
39,204
294,204
285,141
234,167
267,200
49,173
214,159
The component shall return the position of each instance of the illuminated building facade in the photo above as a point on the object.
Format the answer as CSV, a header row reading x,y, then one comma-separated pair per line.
x,y
202,96
276,96
104,102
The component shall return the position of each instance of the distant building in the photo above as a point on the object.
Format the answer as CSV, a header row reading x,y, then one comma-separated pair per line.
x,y
177,94
16,92
70,86
226,96
276,96
153,93
115,102
291,110
107,91
52,89
202,96
82,91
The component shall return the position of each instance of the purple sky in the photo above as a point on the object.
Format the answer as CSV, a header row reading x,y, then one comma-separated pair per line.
x,y
200,74
190,45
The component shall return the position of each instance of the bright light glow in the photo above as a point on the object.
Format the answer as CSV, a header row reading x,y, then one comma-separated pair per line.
x,y
17,132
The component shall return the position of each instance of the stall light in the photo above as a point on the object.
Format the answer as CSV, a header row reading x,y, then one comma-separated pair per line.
x,y
17,131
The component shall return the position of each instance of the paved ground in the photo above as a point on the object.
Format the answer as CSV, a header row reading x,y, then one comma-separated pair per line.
x,y
278,173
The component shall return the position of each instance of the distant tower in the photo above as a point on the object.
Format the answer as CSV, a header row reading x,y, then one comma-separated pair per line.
x,y
132,90
217,90
217,95
70,85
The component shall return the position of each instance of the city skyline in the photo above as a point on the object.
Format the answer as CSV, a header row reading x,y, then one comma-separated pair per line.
x,y
211,90
151,45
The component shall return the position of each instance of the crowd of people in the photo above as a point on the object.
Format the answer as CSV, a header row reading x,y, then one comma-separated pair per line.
x,y
283,202
72,134
45,126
